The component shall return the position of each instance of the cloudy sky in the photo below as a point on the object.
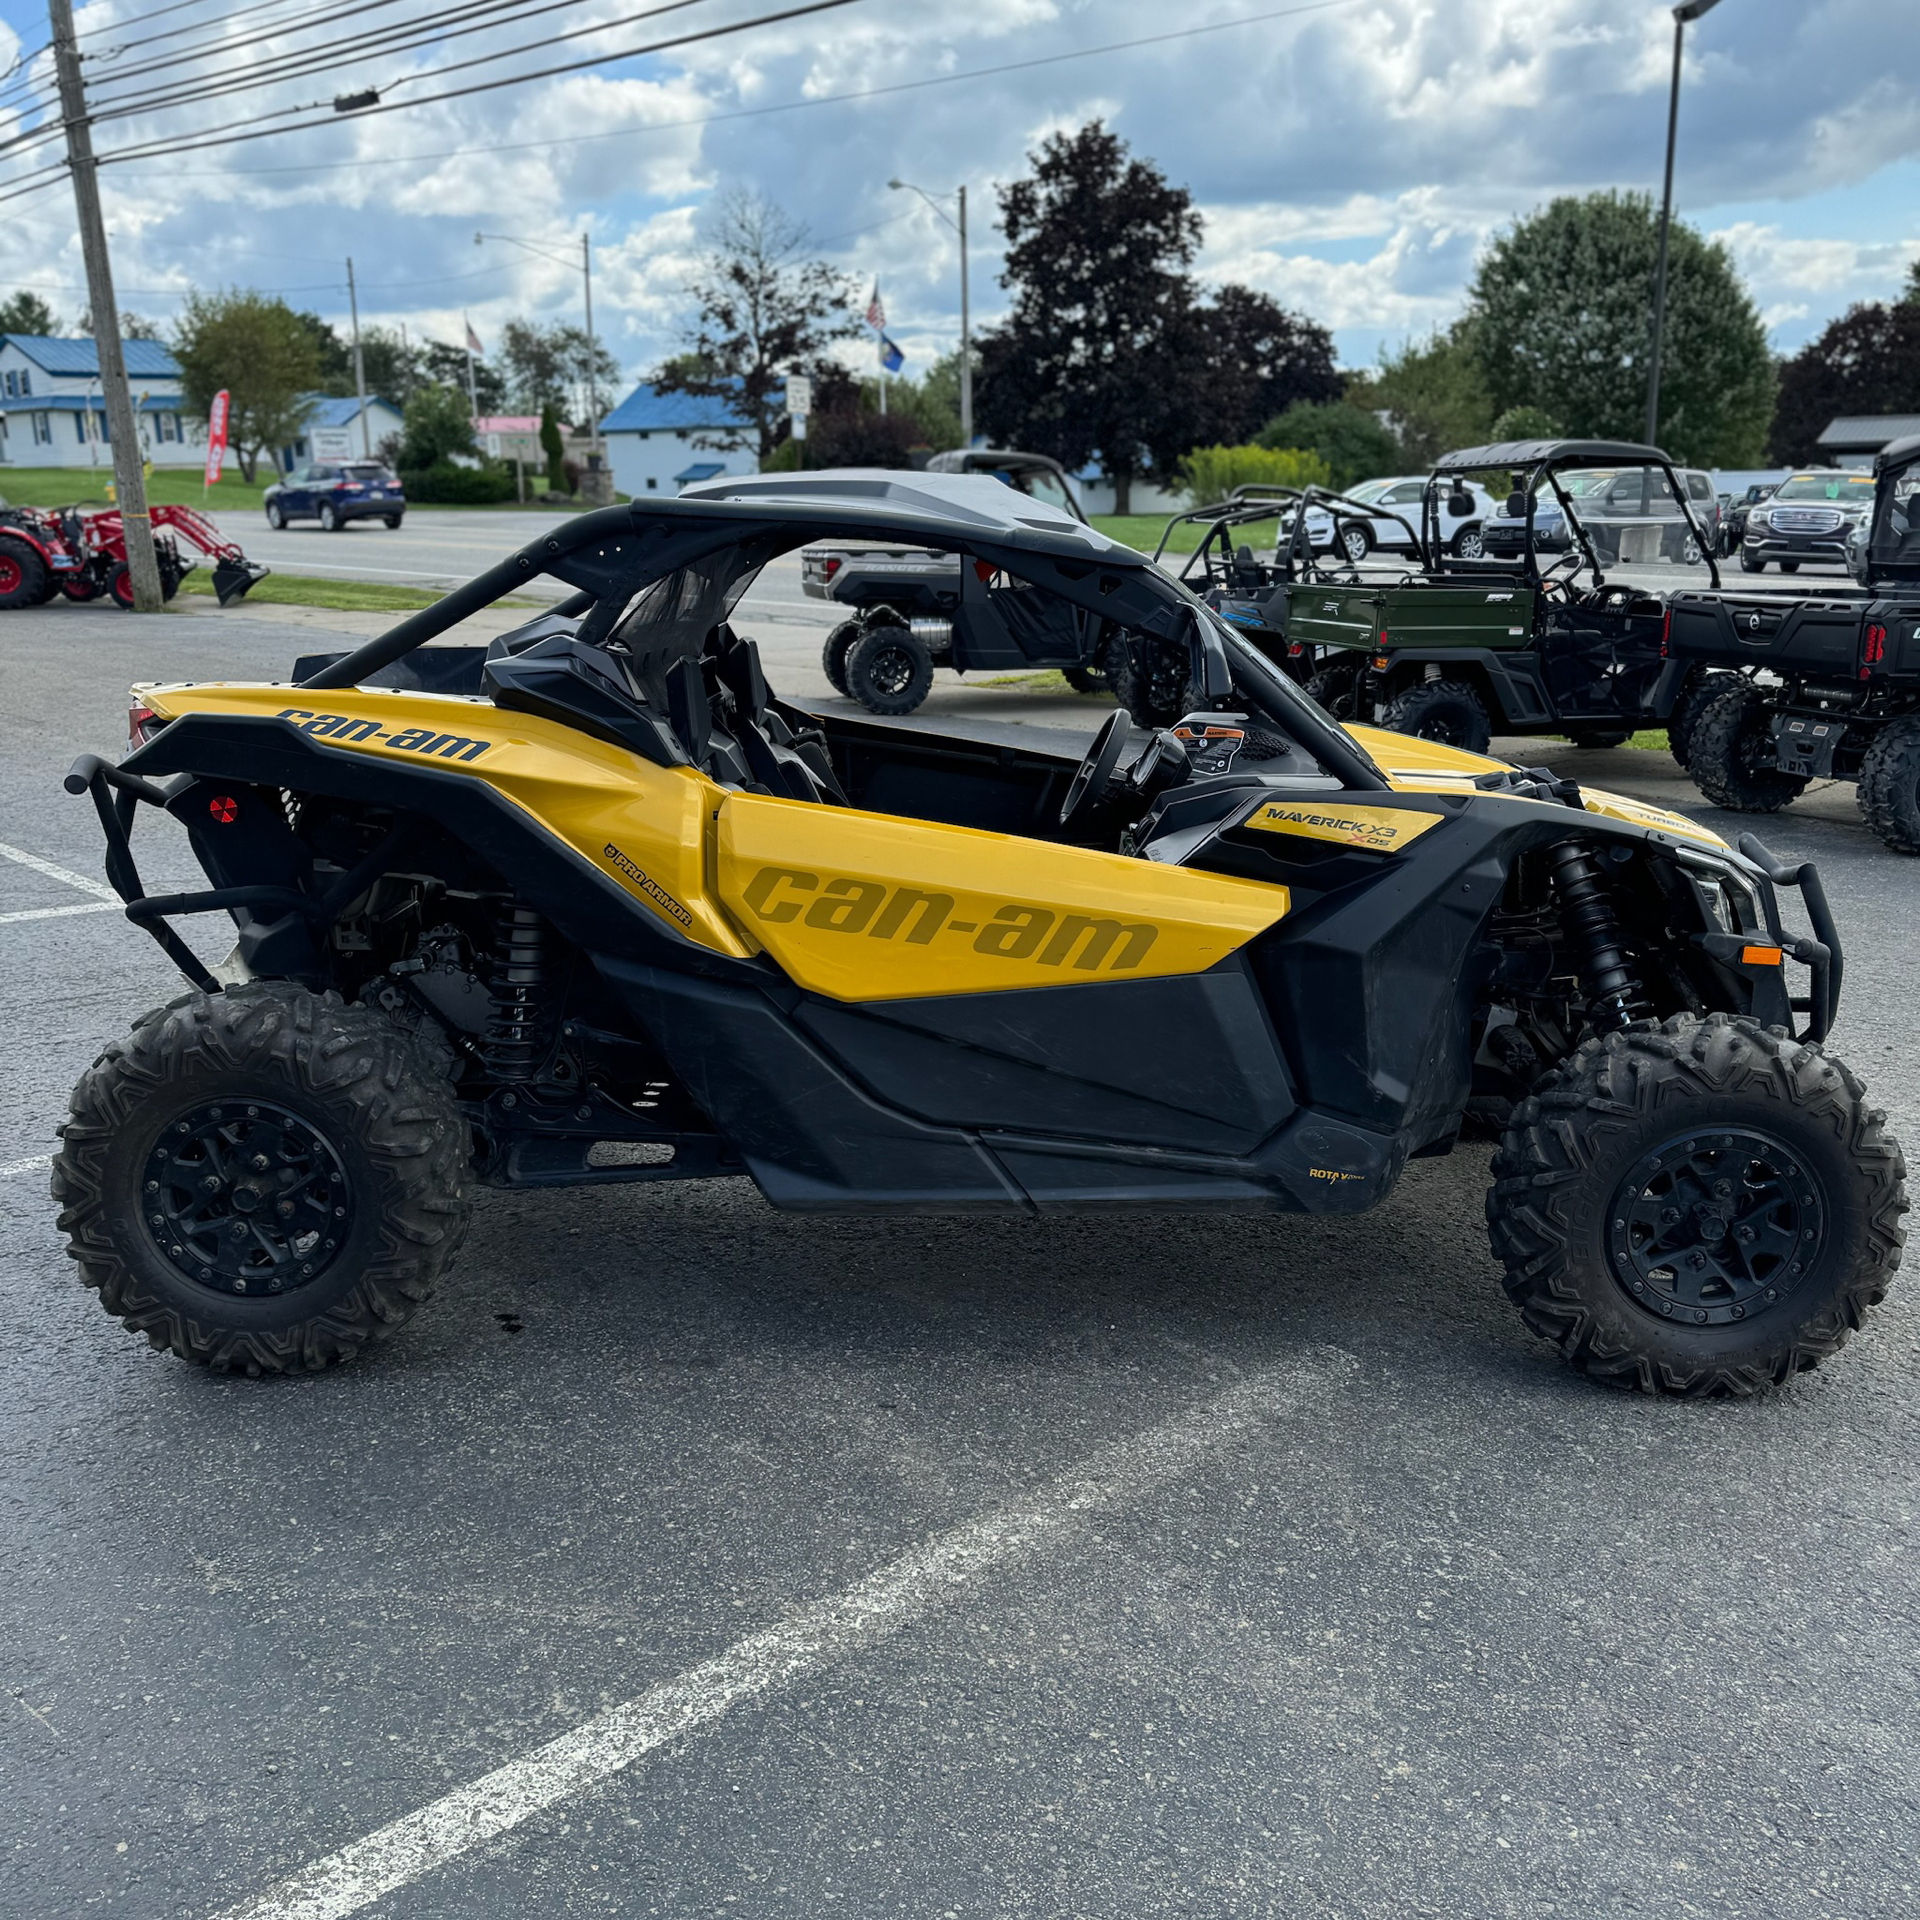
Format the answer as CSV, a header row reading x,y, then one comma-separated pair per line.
x,y
1350,156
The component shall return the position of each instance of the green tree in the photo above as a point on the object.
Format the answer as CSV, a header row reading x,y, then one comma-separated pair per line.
x,y
1352,442
1867,361
262,353
391,363
133,326
27,313
1434,393
1253,359
553,444
763,308
1212,473
1560,315
445,366
435,426
332,355
1525,423
940,388
1095,359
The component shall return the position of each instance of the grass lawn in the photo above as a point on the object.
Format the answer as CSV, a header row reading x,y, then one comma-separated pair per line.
x,y
1142,531
343,596
1648,739
173,487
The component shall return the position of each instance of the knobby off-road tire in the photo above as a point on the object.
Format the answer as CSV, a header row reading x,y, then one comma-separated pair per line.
x,y
1889,790
1087,679
23,575
1816,1194
1153,679
1684,721
320,1111
833,656
1448,711
1721,756
1336,691
889,671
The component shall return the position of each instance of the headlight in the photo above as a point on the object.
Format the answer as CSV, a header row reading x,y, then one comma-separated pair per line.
x,y
1758,518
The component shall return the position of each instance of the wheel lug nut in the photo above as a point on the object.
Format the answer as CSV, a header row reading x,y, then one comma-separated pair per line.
x,y
211,1183
260,1163
286,1206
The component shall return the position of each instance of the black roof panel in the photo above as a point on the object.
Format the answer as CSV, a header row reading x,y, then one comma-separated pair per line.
x,y
1533,453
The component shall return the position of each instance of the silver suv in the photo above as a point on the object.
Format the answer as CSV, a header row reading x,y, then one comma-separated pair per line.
x,y
1811,519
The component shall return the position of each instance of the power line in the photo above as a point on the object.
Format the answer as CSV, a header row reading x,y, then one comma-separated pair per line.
x,y
738,113
422,30
750,113
219,20
491,86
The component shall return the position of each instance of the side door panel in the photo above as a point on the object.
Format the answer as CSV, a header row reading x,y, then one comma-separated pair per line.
x,y
1466,615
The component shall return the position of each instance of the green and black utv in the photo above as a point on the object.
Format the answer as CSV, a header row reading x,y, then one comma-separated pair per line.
x,y
1469,647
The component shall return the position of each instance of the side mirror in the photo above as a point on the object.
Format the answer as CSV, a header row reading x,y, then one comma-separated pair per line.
x,y
1517,504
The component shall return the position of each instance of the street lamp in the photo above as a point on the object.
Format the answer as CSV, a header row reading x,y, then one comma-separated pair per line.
x,y
966,350
586,270
1687,10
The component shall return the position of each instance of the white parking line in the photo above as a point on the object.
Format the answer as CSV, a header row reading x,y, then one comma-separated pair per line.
x,y
57,913
926,1577
65,875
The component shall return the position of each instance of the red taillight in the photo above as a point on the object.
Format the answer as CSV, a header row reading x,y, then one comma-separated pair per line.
x,y
1876,647
829,568
142,724
1295,649
1666,629
352,486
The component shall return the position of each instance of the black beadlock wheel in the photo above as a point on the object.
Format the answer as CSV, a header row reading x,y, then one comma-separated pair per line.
x,y
833,656
888,670
23,575
1087,679
264,1180
1698,1207
1888,794
1447,711
1724,755
1684,721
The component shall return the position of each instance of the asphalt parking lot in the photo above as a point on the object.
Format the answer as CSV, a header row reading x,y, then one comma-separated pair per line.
x,y
762,1565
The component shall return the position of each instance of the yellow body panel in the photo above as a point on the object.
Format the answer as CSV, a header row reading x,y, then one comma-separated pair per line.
x,y
866,906
642,825
1425,766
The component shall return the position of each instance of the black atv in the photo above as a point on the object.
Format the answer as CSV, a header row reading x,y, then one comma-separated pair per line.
x,y
1474,646
589,903
912,609
1819,686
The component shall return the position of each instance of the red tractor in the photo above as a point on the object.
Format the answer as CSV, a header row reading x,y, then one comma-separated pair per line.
x,y
82,553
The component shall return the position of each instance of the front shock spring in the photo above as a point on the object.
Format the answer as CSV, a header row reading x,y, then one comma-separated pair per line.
x,y
519,1023
1594,932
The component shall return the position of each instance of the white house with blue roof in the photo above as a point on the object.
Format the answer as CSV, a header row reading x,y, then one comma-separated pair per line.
x,y
333,430
52,412
654,441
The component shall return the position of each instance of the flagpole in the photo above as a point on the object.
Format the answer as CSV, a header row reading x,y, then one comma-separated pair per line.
x,y
473,398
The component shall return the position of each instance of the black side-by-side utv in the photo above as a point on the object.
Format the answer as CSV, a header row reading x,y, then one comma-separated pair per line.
x,y
1823,685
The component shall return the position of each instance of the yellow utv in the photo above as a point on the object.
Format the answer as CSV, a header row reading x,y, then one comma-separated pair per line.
x,y
591,903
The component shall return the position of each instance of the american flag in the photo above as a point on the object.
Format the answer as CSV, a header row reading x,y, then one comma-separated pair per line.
x,y
473,339
876,313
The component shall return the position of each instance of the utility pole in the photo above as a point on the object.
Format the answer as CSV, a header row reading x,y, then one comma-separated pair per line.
x,y
593,385
130,489
359,366
966,335
1687,10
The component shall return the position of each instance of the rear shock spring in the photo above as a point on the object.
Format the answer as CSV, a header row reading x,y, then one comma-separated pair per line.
x,y
1594,931
519,1025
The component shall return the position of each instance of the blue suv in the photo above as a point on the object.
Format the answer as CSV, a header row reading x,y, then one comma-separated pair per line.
x,y
334,492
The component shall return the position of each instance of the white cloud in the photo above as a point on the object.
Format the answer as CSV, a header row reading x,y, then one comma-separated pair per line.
x,y
1350,161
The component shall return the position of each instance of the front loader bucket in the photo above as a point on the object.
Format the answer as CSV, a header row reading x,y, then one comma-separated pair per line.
x,y
235,579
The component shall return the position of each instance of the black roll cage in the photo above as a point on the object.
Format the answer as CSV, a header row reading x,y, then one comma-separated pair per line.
x,y
1543,461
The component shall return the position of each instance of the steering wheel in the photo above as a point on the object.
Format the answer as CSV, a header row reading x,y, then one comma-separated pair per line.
x,y
1089,784
1570,563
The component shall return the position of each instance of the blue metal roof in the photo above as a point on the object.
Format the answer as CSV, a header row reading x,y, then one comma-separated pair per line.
x,y
700,470
86,402
647,410
340,410
145,358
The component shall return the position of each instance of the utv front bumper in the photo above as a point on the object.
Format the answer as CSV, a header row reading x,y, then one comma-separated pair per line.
x,y
1820,954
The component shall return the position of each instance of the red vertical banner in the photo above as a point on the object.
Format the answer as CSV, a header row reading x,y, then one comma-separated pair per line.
x,y
216,435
